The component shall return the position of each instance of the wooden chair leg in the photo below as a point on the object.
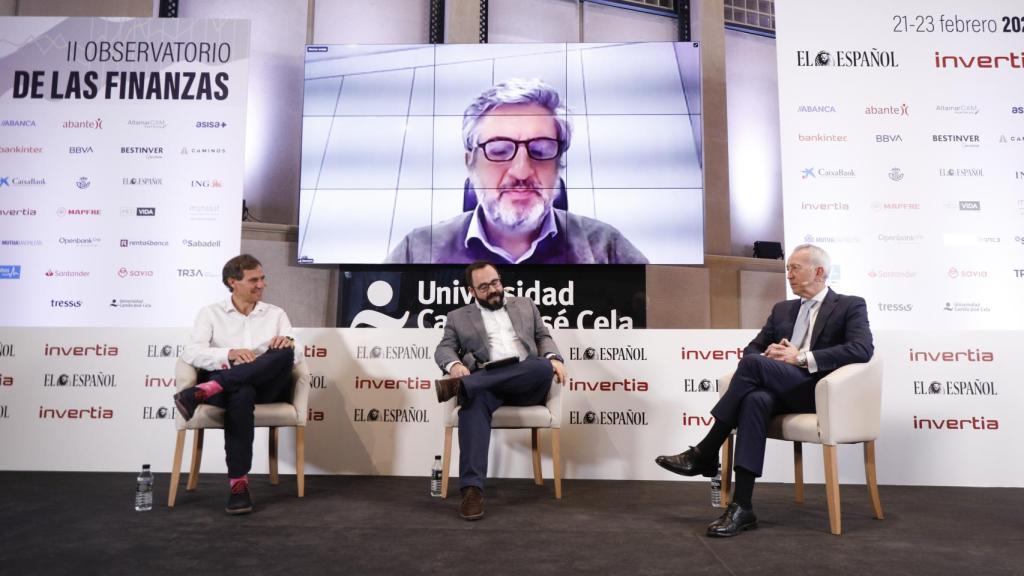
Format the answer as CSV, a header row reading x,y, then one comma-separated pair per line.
x,y
197,457
727,471
300,459
798,472
179,448
832,487
272,443
872,481
446,460
538,477
556,459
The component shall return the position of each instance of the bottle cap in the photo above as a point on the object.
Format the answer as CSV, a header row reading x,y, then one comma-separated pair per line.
x,y
145,466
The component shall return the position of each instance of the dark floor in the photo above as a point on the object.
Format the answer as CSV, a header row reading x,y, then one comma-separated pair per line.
x,y
83,523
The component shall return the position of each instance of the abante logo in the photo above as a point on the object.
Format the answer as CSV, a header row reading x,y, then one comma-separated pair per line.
x,y
408,383
91,350
1011,60
628,417
733,354
972,423
968,355
623,385
96,124
90,413
894,110
389,415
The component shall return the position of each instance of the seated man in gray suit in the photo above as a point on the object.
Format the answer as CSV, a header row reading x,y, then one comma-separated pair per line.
x,y
494,327
515,135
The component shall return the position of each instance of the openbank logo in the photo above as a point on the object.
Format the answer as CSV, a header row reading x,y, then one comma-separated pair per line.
x,y
10,271
831,173
79,380
17,212
19,182
825,206
126,243
898,206
900,238
142,181
123,272
156,124
961,172
955,272
632,353
979,423
966,355
702,385
821,137
51,273
79,212
80,241
21,149
628,417
892,274
976,387
149,152
623,385
964,140
816,109
968,307
411,415
393,352
91,413
892,110
200,243
129,303
9,123
965,109
872,58
96,124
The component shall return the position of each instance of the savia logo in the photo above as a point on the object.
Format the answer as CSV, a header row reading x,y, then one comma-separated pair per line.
x,y
872,58
896,175
123,272
627,417
955,272
411,415
83,183
893,110
10,271
976,387
96,124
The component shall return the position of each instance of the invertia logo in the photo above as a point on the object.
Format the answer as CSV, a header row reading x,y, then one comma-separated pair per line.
x,y
976,387
6,381
969,355
697,421
1011,60
628,417
624,385
96,124
825,206
735,354
408,383
158,382
972,423
91,413
17,212
895,110
315,415
314,351
391,415
93,350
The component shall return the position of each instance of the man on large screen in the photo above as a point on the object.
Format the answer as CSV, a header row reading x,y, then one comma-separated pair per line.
x,y
515,135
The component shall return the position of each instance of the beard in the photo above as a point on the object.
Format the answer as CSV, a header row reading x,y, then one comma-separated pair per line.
x,y
514,217
493,301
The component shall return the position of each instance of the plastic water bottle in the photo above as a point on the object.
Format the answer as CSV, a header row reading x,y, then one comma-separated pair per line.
x,y
144,490
716,488
435,477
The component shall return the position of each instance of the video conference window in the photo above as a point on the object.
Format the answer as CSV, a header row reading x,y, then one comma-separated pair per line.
x,y
515,153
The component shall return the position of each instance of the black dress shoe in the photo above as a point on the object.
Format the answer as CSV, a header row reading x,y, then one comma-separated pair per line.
x,y
736,519
689,463
447,388
239,502
472,507
187,401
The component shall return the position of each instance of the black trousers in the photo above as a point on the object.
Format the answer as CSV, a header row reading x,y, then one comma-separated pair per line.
x,y
762,388
523,384
264,380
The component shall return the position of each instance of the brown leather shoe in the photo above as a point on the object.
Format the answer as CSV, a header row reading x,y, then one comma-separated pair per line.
x,y
447,388
472,507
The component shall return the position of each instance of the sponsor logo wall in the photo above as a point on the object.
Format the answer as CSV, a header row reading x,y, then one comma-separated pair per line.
x,y
901,155
104,130
97,400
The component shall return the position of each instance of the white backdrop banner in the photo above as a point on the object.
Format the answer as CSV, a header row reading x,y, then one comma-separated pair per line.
x,y
100,400
121,153
902,129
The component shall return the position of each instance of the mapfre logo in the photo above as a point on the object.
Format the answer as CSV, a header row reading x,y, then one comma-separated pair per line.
x,y
968,355
623,385
628,417
410,415
394,384
959,424
91,413
976,387
79,212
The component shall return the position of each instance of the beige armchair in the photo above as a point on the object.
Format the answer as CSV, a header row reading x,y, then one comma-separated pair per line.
x,y
849,410
272,416
547,415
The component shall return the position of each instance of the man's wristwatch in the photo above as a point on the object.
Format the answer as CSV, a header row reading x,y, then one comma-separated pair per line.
x,y
552,356
801,359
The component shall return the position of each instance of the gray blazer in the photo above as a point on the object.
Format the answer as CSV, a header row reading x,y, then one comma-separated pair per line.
x,y
465,338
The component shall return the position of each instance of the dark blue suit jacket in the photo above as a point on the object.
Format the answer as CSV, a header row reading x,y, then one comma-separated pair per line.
x,y
841,334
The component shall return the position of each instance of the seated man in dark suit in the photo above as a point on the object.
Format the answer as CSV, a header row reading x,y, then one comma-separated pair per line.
x,y
493,327
803,340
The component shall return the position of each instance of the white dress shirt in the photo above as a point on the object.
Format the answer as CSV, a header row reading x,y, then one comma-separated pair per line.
x,y
220,327
502,341
812,366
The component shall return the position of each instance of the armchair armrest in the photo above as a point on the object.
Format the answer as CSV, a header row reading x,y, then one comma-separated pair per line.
x,y
185,375
849,403
554,403
300,393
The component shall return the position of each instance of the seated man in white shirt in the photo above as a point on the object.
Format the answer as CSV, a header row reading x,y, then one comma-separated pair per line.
x,y
245,351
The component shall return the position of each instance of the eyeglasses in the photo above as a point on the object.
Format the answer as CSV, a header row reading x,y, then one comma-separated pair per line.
x,y
487,286
504,149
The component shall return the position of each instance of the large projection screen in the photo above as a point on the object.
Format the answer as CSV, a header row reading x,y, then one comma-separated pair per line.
x,y
384,161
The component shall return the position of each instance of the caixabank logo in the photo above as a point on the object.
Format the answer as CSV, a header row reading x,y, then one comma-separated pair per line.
x,y
158,412
393,384
702,385
628,417
610,353
79,380
410,352
976,387
164,350
410,415
620,385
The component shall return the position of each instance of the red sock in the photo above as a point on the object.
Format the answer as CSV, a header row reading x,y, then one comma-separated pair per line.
x,y
210,388
236,481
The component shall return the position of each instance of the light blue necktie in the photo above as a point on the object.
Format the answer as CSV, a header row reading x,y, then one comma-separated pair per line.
x,y
803,322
